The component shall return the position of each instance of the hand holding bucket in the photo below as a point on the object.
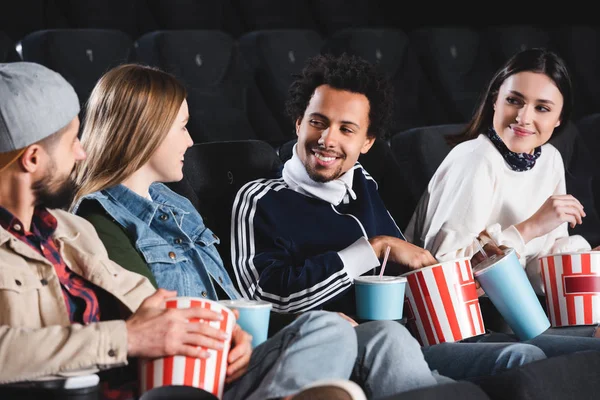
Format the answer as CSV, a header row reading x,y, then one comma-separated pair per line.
x,y
203,373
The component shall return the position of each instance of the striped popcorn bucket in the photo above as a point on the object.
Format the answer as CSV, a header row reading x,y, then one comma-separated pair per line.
x,y
572,286
206,374
442,304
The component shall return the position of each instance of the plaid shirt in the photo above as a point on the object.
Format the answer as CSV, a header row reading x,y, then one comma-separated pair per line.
x,y
81,296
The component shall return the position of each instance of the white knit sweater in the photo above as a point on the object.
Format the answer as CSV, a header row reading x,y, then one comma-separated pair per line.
x,y
475,190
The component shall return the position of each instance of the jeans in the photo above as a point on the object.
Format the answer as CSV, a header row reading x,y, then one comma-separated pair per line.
x,y
317,345
471,360
382,357
582,330
554,342
555,345
389,360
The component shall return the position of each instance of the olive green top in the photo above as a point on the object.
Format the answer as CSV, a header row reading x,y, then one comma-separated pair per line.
x,y
121,249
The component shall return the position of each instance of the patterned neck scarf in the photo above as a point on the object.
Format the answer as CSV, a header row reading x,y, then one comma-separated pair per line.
x,y
516,161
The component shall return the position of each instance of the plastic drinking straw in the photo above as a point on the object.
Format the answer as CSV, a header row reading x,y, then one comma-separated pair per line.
x,y
385,258
480,248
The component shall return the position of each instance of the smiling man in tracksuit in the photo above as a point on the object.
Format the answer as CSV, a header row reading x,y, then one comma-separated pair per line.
x,y
298,241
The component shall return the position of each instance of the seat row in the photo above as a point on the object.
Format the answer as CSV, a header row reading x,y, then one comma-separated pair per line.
x,y
137,17
238,86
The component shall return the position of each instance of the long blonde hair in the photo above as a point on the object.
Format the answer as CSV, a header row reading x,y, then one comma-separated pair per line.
x,y
128,115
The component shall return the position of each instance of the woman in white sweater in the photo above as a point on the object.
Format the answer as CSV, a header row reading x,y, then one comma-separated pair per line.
x,y
503,180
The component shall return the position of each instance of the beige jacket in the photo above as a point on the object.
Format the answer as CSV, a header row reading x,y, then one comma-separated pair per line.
x,y
37,339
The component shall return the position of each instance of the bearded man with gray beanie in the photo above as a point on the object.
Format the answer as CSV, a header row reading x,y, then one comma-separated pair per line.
x,y
60,296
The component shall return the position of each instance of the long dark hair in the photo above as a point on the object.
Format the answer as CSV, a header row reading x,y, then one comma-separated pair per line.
x,y
531,60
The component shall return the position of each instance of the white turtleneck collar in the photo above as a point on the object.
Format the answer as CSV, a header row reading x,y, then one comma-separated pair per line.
x,y
334,192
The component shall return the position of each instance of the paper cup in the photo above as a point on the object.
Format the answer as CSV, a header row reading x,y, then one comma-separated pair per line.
x,y
442,303
505,282
254,317
572,287
379,298
207,374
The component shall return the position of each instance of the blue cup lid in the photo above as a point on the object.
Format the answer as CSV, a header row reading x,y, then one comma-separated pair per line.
x,y
491,261
245,303
376,280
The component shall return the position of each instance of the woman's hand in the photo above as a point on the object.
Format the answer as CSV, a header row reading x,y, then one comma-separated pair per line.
x,y
490,250
555,211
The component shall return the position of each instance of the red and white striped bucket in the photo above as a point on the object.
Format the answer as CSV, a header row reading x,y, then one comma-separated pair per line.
x,y
442,303
572,286
207,374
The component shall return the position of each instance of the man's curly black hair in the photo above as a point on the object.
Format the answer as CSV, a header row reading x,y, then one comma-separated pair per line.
x,y
344,72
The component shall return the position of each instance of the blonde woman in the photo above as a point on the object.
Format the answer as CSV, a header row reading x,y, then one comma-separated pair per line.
x,y
135,136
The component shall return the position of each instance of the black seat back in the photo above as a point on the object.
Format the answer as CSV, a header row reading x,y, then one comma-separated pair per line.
x,y
274,56
507,40
579,45
414,101
458,64
419,152
81,56
222,97
213,174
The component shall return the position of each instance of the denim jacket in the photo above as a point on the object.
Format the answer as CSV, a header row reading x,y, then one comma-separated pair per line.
x,y
170,235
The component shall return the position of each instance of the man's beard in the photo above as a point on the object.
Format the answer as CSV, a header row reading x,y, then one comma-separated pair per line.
x,y
48,196
320,178
314,174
